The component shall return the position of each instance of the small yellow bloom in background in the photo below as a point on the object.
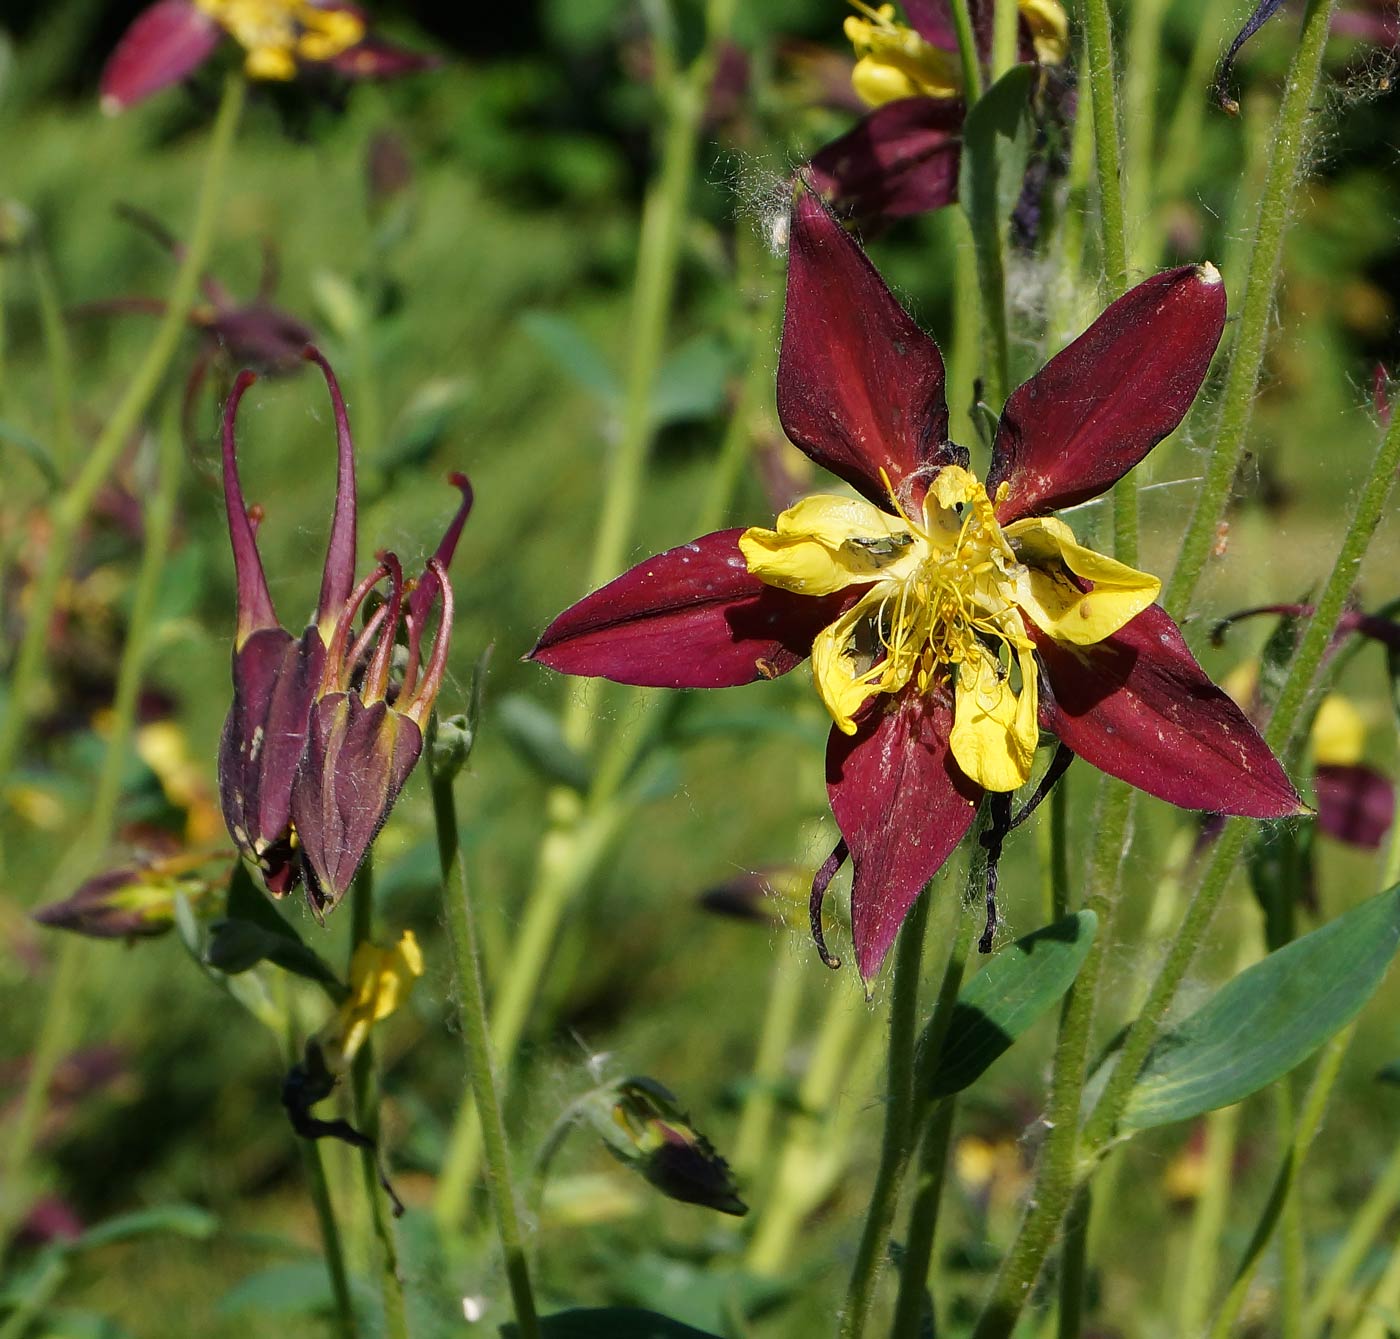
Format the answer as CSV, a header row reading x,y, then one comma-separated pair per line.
x,y
380,982
1338,732
277,34
894,61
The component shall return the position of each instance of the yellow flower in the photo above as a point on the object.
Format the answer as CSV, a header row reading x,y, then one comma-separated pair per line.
x,y
277,34
894,61
943,599
380,982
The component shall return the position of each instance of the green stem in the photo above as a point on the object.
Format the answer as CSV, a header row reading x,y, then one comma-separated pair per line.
x,y
1196,1282
1385,1301
803,1176
774,1038
1266,254
1006,19
1366,1226
71,509
1180,147
967,51
658,255
1108,164
471,998
1141,72
58,1014
364,1089
899,1113
60,356
1074,1265
331,1243
934,1119
1304,1131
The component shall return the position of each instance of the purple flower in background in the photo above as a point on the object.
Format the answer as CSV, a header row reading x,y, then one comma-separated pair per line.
x,y
169,40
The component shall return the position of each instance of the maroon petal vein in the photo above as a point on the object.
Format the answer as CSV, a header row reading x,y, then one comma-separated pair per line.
x,y
860,386
1100,405
1139,707
903,806
692,617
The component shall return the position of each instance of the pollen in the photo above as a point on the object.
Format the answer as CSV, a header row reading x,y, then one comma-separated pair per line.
x,y
944,599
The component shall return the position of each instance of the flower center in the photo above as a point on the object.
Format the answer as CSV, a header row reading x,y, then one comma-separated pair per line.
x,y
277,34
948,597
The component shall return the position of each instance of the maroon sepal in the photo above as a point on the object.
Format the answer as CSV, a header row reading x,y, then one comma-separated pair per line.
x,y
692,617
166,43
356,760
901,159
1100,405
902,805
275,678
375,58
860,386
1355,803
1139,707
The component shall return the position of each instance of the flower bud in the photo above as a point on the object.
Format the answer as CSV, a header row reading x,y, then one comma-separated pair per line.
x,y
137,900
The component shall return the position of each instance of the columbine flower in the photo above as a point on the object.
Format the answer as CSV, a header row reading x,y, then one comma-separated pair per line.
x,y
903,158
947,620
171,39
281,681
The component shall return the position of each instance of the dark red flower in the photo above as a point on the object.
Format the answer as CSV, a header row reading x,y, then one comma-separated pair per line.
x,y
169,40
945,619
285,733
904,156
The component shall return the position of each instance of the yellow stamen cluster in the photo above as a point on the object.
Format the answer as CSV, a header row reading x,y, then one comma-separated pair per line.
x,y
893,61
945,609
279,34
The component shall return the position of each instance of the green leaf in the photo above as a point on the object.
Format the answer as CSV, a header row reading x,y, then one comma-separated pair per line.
x,y
1013,990
301,1289
181,1220
254,931
1270,1018
692,383
610,1322
574,353
538,737
996,146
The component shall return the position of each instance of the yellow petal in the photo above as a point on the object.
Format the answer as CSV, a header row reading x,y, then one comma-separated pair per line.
x,y
994,728
1055,603
1338,732
824,543
841,683
1049,27
380,980
893,61
1242,684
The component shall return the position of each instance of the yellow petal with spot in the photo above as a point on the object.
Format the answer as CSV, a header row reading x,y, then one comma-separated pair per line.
x,y
1338,732
1049,27
994,727
1055,603
841,684
824,543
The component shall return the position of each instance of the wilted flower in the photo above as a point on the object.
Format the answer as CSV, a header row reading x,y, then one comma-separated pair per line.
x,y
903,158
648,1132
137,900
171,39
269,747
947,621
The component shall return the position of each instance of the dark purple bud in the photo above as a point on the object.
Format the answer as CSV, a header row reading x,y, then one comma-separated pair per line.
x,y
359,750
137,900
1355,804
645,1129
